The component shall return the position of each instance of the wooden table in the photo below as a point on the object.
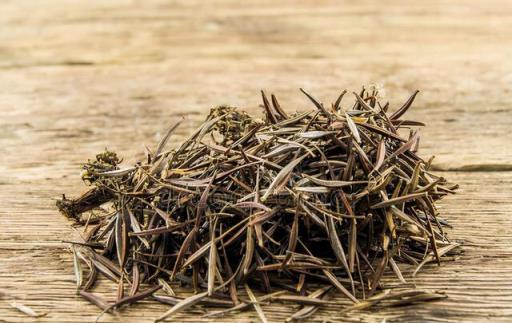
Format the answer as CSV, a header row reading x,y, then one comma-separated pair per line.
x,y
79,76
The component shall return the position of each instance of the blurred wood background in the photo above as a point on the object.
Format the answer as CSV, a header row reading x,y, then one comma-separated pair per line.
x,y
79,76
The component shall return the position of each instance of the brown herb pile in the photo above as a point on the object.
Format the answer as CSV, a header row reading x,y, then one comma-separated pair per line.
x,y
294,208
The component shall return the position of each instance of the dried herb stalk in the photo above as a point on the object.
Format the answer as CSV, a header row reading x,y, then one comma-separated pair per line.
x,y
332,197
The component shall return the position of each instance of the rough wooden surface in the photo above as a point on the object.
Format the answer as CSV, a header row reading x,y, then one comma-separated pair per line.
x,y
79,76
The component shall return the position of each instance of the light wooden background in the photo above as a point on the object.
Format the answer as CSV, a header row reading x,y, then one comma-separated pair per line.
x,y
79,76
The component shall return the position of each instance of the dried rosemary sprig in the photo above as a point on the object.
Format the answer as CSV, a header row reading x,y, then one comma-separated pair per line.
x,y
332,196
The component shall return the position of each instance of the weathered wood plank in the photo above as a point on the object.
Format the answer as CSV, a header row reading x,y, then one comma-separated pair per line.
x,y
38,268
76,77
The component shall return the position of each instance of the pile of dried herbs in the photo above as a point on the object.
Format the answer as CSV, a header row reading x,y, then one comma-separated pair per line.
x,y
296,207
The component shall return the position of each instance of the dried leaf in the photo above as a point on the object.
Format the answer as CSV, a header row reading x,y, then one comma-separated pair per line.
x,y
182,305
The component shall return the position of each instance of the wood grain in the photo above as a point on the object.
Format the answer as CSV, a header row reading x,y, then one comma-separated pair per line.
x,y
79,76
